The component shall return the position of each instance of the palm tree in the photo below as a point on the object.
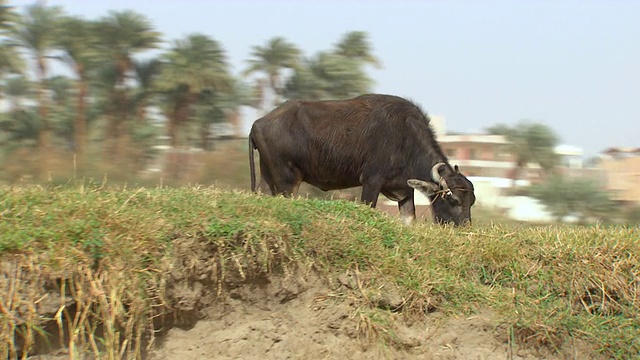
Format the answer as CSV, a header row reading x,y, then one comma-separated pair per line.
x,y
223,107
17,88
193,64
61,114
36,32
60,88
122,34
77,40
306,83
231,102
10,60
146,73
344,76
355,45
270,59
21,122
7,16
529,143
328,76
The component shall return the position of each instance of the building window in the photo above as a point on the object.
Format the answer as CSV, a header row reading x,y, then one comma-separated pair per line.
x,y
501,154
473,154
450,152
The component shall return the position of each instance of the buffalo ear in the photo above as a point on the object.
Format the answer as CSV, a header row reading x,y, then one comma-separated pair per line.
x,y
456,169
426,187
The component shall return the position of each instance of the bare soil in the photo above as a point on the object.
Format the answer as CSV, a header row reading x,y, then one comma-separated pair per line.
x,y
303,315
275,320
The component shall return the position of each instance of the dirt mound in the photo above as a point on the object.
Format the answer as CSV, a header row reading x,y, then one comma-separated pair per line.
x,y
274,307
306,320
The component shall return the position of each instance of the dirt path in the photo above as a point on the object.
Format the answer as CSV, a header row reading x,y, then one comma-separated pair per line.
x,y
265,321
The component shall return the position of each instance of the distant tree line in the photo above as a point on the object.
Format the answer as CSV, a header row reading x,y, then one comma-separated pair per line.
x,y
102,112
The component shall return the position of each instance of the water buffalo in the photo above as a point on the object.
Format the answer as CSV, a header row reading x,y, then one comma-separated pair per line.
x,y
381,142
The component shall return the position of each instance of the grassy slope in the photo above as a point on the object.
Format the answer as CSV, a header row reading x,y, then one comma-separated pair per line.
x,y
544,283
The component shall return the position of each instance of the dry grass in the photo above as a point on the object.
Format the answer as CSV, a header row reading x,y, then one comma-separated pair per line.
x,y
101,269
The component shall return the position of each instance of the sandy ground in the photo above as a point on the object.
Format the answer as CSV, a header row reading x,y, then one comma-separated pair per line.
x,y
265,321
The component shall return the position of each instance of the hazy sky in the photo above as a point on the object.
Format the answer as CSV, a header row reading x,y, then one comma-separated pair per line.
x,y
573,65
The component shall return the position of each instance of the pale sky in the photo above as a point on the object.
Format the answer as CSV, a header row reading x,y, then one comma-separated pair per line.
x,y
572,65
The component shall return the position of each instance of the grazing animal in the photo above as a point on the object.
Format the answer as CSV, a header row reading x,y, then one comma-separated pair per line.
x,y
382,142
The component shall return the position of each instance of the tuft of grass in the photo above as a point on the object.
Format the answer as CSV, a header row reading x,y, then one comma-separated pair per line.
x,y
117,254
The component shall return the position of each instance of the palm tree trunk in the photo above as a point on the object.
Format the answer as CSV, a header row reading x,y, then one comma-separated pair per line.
x,y
258,93
141,112
80,122
112,128
172,132
178,118
204,136
274,84
236,121
44,135
121,111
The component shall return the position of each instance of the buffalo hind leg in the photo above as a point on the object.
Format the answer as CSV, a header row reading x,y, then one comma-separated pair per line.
x,y
266,184
407,210
370,193
288,181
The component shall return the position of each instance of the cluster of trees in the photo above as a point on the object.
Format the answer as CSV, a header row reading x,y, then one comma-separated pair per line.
x,y
583,199
578,197
116,80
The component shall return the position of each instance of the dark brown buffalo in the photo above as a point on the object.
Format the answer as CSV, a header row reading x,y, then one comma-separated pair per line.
x,y
381,142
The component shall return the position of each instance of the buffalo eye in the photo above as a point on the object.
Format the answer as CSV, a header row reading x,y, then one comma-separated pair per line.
x,y
454,200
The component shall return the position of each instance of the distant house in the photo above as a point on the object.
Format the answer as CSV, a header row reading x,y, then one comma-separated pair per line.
x,y
480,154
571,157
489,156
621,169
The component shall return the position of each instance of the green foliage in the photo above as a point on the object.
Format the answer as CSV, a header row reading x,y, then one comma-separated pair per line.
x,y
60,87
10,60
122,34
37,30
196,62
276,55
147,73
21,126
7,15
305,84
355,45
112,91
566,197
78,41
194,67
337,74
328,76
17,88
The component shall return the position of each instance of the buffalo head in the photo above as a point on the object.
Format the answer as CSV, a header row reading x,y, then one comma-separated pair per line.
x,y
451,194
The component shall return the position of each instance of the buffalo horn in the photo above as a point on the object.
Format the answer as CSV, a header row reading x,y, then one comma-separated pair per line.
x,y
435,175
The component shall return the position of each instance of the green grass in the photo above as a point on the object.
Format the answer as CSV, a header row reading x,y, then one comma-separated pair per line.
x,y
546,283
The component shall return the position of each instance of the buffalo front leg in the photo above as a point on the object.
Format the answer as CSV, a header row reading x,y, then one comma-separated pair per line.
x,y
407,210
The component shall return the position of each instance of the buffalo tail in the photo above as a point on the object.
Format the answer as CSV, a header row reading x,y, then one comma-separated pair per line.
x,y
252,165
